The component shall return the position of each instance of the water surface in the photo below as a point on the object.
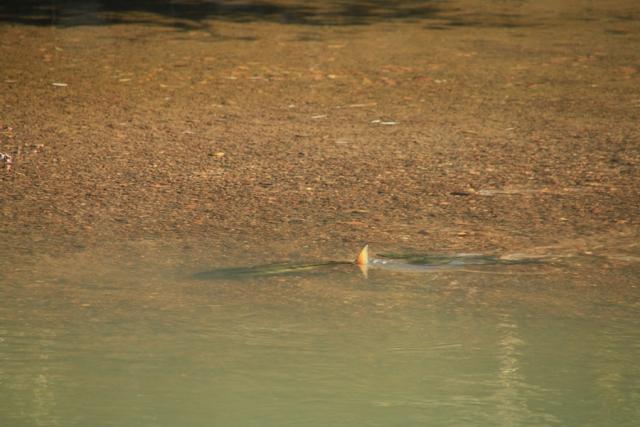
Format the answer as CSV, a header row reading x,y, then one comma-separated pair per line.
x,y
134,339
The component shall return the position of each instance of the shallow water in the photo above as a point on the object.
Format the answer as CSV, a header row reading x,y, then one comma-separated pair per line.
x,y
133,339
233,118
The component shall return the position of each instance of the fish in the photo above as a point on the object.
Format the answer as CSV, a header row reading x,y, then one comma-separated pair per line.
x,y
424,263
266,270
403,263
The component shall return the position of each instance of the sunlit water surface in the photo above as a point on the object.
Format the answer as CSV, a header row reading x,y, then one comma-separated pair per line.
x,y
97,338
129,337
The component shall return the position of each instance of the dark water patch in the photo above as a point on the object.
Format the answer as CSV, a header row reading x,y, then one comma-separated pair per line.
x,y
617,32
189,15
184,14
427,259
485,20
269,270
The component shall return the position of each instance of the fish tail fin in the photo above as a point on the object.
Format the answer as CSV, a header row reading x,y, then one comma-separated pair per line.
x,y
363,256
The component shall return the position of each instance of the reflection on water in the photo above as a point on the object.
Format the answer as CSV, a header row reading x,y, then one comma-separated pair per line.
x,y
134,340
186,14
192,15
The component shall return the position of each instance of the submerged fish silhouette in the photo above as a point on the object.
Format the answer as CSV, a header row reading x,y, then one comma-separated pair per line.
x,y
423,263
266,270
408,263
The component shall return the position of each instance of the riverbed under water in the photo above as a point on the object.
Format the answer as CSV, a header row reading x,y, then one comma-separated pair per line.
x,y
131,338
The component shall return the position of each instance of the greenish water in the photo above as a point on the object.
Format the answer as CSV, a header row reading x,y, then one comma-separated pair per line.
x,y
137,341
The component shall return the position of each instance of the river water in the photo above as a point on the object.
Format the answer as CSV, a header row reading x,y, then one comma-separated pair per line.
x,y
148,118
132,338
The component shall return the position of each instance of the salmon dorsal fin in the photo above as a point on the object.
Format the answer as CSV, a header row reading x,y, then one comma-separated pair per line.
x,y
363,256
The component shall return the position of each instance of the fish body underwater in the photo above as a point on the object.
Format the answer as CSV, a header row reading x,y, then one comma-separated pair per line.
x,y
402,263
266,270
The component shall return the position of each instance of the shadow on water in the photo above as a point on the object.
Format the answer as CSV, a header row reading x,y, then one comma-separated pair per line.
x,y
189,15
396,262
481,20
278,269
330,12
